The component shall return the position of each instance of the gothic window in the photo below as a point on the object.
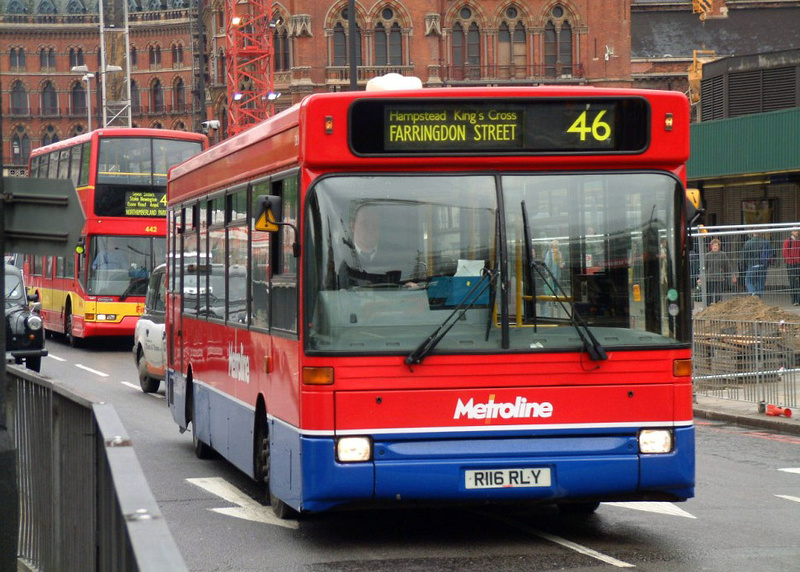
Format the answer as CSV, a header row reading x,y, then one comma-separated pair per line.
x,y
221,67
177,55
512,45
136,98
50,136
19,99
46,7
20,147
280,43
134,6
76,57
154,5
77,99
16,7
18,58
49,99
47,58
134,57
75,7
157,97
558,55
466,46
341,44
388,39
155,56
179,96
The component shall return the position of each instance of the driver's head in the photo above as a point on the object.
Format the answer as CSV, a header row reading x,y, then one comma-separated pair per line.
x,y
365,229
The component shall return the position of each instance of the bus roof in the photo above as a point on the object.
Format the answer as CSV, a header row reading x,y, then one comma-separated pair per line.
x,y
119,132
317,133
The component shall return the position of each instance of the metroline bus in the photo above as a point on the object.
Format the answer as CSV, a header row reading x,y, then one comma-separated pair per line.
x,y
523,332
120,175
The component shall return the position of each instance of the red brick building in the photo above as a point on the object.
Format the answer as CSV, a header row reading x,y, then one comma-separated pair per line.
x,y
444,42
646,43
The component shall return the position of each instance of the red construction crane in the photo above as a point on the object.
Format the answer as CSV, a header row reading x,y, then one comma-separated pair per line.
x,y
249,63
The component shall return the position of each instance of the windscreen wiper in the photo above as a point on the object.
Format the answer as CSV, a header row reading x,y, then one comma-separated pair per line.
x,y
592,345
472,297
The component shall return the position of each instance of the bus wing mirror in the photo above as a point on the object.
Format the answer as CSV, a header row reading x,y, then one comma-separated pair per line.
x,y
694,207
266,220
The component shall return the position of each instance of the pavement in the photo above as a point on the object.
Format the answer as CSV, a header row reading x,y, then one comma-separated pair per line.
x,y
745,414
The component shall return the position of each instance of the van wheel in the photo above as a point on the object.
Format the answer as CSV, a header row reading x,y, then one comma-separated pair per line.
x,y
147,383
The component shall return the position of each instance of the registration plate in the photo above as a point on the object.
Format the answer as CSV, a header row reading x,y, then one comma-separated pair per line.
x,y
507,478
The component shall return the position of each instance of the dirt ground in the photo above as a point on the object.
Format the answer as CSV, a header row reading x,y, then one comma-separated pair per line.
x,y
750,308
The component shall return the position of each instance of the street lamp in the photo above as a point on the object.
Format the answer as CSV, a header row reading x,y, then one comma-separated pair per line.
x,y
87,77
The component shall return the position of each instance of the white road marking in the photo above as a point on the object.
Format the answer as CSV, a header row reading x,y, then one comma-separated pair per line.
x,y
90,370
790,471
246,508
562,542
795,499
55,357
139,388
583,550
657,507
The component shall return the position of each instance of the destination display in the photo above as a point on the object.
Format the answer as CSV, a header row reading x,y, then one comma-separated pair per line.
x,y
130,201
502,126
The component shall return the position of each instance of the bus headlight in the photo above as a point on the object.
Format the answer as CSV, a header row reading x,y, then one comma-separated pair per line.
x,y
353,449
655,441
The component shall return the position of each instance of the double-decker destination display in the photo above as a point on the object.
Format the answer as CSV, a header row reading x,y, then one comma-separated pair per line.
x,y
120,175
434,295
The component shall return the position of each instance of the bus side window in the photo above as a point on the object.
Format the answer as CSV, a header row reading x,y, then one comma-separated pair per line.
x,y
283,299
260,268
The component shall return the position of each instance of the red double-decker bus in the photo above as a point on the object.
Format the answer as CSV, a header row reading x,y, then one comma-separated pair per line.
x,y
475,294
120,175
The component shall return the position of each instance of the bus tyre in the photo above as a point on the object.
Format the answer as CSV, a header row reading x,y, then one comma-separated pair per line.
x,y
578,508
74,341
147,383
201,450
280,508
261,468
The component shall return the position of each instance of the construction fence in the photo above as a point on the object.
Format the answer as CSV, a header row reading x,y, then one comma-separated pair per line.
x,y
746,313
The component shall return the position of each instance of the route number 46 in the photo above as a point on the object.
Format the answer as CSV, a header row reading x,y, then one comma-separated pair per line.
x,y
599,130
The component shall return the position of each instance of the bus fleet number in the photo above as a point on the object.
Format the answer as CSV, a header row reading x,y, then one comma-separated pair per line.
x,y
151,228
599,130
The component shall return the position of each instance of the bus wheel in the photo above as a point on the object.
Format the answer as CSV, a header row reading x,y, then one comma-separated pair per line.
x,y
261,466
201,450
74,341
147,383
578,508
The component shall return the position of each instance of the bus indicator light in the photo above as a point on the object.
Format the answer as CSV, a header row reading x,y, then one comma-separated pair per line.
x,y
318,376
329,124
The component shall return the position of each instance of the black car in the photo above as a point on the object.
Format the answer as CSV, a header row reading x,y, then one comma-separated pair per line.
x,y
24,327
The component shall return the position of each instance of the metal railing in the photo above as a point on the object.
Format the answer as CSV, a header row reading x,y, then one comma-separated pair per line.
x,y
747,360
746,340
84,501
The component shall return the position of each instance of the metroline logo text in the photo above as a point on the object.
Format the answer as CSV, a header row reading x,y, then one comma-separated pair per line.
x,y
519,409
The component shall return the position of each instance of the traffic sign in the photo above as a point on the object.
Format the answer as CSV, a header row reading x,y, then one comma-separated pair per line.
x,y
41,216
